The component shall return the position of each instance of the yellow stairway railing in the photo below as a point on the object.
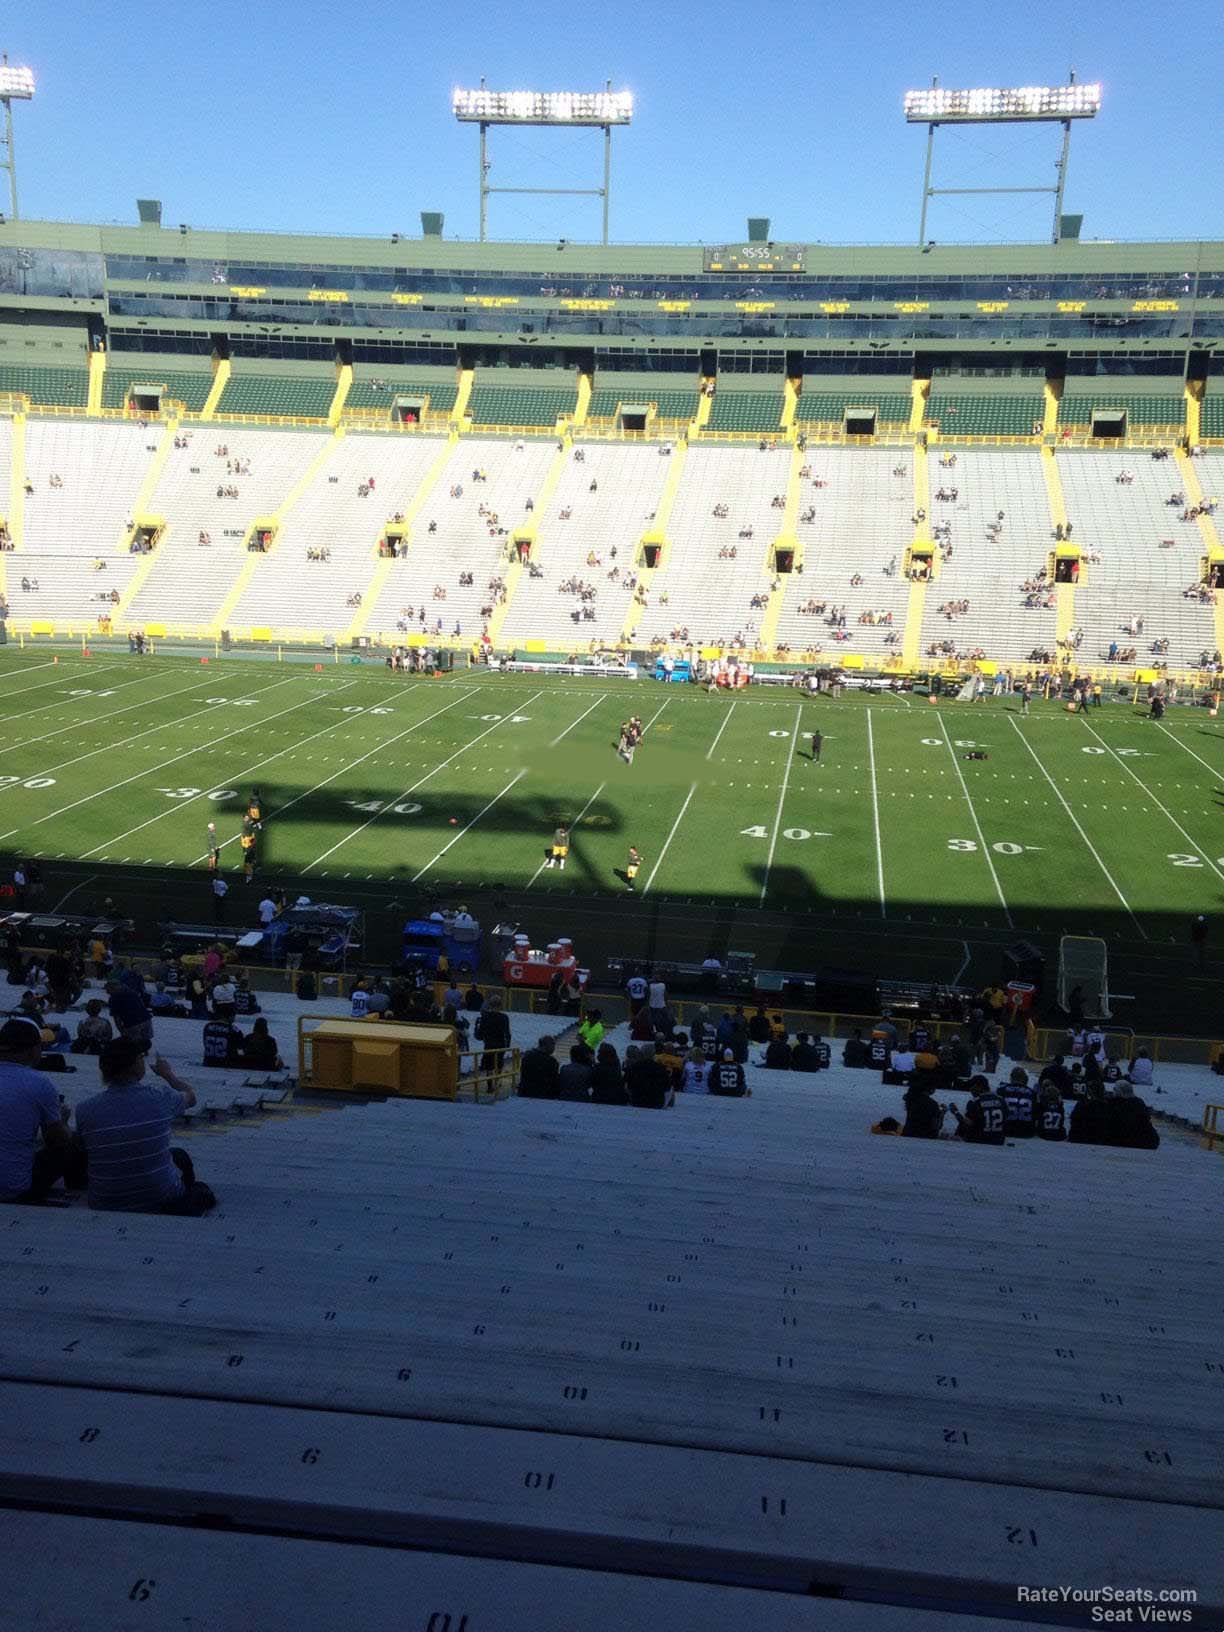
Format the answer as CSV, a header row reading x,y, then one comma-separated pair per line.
x,y
657,535
382,570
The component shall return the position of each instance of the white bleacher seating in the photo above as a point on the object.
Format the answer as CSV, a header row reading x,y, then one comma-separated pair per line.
x,y
708,596
560,1334
630,482
462,542
288,589
1126,524
189,582
101,467
863,521
988,573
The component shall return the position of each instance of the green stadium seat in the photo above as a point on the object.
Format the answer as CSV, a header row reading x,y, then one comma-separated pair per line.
x,y
519,405
191,389
1142,411
670,404
1212,422
754,411
286,395
363,394
892,407
54,387
1001,414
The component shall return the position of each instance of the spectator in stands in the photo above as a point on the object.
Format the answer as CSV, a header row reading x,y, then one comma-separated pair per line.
x,y
984,1117
808,1055
1089,1119
126,1130
1020,1105
727,1078
35,1148
452,997
659,1014
259,1050
607,1079
1141,1069
1057,1074
901,1061
222,1044
574,1079
94,1030
646,1080
695,1077
224,999
131,1014
1050,1124
923,1113
1128,1121
591,1029
856,1052
758,1025
778,1055
473,999
539,1073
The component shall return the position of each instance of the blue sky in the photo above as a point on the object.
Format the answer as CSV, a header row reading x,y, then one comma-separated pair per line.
x,y
306,117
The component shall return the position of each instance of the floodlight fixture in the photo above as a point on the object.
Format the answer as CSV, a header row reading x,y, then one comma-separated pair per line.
x,y
597,110
600,108
1011,105
16,85
1001,105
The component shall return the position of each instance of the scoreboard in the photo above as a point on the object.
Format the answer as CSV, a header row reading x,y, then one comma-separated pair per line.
x,y
754,258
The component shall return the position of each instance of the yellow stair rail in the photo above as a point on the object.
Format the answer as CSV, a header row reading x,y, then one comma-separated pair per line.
x,y
274,521
1051,395
530,532
790,403
221,375
17,481
705,405
920,391
787,539
1193,489
140,506
915,608
97,373
1194,412
1054,493
344,384
656,535
382,569
583,405
467,379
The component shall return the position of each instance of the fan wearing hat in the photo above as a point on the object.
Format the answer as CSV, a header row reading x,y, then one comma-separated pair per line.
x,y
34,1142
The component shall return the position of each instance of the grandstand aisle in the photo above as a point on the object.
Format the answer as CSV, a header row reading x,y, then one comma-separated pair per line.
x,y
189,581
463,540
699,589
861,525
289,589
1149,556
988,572
630,483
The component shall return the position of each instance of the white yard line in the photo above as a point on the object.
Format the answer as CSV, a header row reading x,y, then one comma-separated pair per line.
x,y
186,754
573,825
1219,775
670,837
423,870
721,729
419,783
41,685
965,962
561,737
108,747
69,701
387,742
1139,782
977,826
1075,820
875,814
773,843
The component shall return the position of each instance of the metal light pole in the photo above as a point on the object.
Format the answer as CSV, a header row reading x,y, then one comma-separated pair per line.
x,y
16,85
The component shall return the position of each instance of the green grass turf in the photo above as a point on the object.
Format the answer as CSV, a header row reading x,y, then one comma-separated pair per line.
x,y
895,844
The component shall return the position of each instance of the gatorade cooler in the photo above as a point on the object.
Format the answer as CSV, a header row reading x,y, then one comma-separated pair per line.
x,y
1022,993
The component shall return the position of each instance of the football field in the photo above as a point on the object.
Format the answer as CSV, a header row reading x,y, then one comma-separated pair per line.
x,y
377,787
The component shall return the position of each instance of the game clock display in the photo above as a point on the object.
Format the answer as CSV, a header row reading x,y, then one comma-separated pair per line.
x,y
755,258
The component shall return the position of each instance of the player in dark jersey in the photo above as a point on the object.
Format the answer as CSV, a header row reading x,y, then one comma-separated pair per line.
x,y
1050,1124
817,744
247,841
1020,1106
214,848
984,1116
631,868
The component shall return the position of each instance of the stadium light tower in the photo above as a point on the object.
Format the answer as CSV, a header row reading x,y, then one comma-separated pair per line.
x,y
598,110
16,85
1017,105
